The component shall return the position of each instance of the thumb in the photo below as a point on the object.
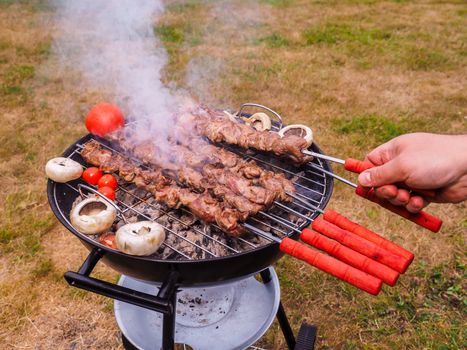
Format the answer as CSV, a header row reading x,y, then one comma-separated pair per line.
x,y
385,174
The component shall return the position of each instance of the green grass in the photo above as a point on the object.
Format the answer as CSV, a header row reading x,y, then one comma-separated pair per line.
x,y
44,267
278,3
426,59
11,81
371,127
41,50
34,5
274,40
16,74
185,6
341,33
170,34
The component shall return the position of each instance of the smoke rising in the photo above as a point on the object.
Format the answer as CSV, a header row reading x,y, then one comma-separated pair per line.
x,y
113,47
231,26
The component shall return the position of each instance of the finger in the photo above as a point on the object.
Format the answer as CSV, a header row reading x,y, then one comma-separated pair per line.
x,y
402,197
385,174
454,193
382,154
416,203
386,191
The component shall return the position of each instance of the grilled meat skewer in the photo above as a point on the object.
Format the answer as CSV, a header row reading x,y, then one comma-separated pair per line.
x,y
219,128
165,190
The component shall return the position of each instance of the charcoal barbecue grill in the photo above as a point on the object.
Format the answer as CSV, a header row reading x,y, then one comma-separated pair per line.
x,y
244,256
311,186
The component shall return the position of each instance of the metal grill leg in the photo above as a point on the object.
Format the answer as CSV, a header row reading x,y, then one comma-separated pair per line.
x,y
168,326
285,327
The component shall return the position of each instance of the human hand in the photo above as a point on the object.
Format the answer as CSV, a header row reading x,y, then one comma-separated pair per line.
x,y
420,161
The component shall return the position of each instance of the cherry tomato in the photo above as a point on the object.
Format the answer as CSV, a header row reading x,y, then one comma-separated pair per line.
x,y
108,239
107,180
107,191
92,175
104,118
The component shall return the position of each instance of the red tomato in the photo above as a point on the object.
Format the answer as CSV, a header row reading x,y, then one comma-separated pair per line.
x,y
108,192
107,180
108,239
104,118
92,175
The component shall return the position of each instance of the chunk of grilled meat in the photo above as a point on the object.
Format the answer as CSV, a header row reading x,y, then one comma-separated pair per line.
x,y
166,190
217,127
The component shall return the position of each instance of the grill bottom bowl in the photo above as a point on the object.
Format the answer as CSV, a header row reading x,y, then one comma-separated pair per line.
x,y
228,316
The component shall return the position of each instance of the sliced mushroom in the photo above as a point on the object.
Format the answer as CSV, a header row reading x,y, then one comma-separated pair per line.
x,y
260,121
298,130
63,169
93,216
140,238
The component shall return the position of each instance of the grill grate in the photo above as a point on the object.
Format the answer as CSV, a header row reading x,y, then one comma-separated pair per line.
x,y
280,220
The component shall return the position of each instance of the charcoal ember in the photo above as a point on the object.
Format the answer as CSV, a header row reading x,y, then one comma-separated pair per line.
x,y
140,193
178,226
189,219
126,198
188,248
154,213
260,241
164,221
263,227
133,219
119,224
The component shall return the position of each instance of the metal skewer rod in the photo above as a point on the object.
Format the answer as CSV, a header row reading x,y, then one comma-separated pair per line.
x,y
307,208
340,178
299,197
280,205
285,222
322,156
262,233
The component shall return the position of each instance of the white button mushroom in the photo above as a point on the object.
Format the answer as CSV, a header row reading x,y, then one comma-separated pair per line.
x,y
93,216
140,238
298,130
260,121
63,169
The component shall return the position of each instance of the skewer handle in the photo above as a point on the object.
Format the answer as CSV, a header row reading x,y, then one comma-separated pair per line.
x,y
360,245
332,266
349,256
359,166
344,223
421,218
